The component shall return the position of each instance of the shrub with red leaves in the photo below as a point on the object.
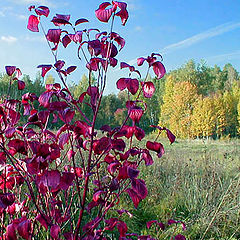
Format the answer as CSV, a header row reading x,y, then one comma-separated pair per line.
x,y
65,183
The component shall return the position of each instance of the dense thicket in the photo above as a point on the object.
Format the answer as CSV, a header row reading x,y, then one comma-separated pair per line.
x,y
194,101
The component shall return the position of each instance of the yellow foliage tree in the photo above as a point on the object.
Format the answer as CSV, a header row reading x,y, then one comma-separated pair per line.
x,y
203,117
177,106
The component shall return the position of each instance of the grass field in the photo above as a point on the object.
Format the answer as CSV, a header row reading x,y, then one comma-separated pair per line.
x,y
198,183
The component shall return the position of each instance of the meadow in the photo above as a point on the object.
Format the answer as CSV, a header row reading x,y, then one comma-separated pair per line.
x,y
197,182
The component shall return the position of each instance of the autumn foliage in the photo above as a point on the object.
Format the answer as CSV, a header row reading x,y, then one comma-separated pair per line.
x,y
68,184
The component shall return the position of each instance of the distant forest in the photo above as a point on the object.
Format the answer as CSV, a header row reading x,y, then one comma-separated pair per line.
x,y
194,101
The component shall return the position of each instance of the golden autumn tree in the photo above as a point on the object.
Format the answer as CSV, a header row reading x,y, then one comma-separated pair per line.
x,y
203,122
221,112
177,106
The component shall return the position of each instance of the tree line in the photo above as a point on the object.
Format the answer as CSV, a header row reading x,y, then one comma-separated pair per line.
x,y
194,101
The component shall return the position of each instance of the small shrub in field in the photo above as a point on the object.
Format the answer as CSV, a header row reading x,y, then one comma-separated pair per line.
x,y
67,184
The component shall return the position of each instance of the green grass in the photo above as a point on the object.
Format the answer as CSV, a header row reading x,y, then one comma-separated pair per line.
x,y
197,182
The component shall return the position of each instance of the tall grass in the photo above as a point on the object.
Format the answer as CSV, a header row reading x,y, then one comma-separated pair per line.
x,y
197,182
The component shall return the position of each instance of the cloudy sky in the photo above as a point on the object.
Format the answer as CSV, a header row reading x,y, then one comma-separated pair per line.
x,y
178,29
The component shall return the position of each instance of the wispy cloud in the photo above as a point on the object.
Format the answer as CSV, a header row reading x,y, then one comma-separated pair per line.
x,y
34,39
225,57
138,28
8,39
28,2
3,11
219,30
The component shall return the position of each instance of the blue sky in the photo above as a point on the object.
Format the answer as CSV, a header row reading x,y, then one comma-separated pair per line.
x,y
178,29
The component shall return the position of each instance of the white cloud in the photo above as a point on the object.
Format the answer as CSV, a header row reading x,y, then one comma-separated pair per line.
x,y
202,36
32,2
8,39
225,57
34,39
21,17
138,28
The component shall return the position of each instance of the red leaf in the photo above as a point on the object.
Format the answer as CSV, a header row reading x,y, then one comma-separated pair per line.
x,y
122,228
63,140
155,146
53,35
54,231
123,13
21,85
134,196
149,224
45,69
140,188
33,22
121,84
146,156
42,221
10,70
136,114
71,69
42,10
60,19
170,136
44,98
140,61
179,237
102,13
66,40
139,133
24,229
53,178
159,69
132,86
81,20
148,89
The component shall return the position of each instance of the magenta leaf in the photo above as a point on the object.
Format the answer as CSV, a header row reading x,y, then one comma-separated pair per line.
x,y
136,114
53,178
60,19
170,136
123,13
134,196
10,70
59,64
149,223
24,229
17,146
132,173
155,146
140,61
81,20
102,13
53,35
42,221
94,47
148,89
179,237
116,37
44,98
139,186
159,69
71,69
6,199
42,10
45,69
54,231
139,133
33,22
66,40
122,228
66,180
21,85
146,156
10,232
